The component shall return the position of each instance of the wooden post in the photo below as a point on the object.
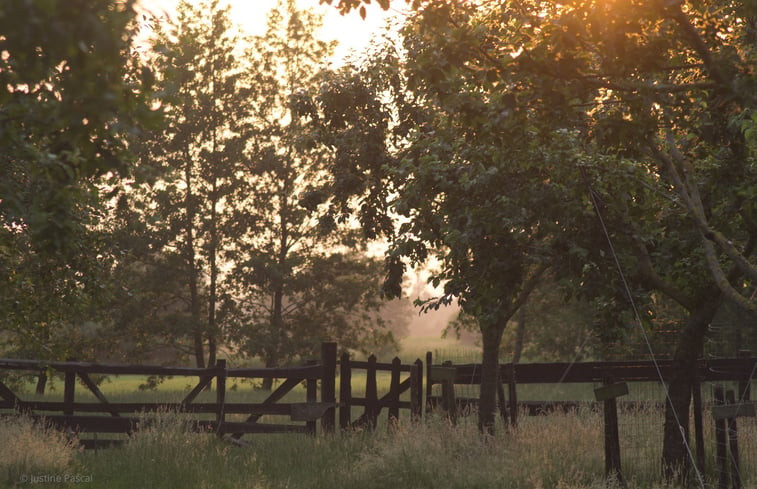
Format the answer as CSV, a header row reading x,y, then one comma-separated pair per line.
x,y
416,391
608,393
733,444
311,396
69,394
696,394
220,394
429,383
512,397
328,385
449,401
371,393
345,391
503,376
394,393
721,456
745,386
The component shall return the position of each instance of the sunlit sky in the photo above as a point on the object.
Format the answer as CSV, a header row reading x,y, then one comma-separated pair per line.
x,y
350,30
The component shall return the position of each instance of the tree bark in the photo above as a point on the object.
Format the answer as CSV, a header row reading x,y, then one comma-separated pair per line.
x,y
194,298
213,251
675,456
270,362
487,407
520,332
41,382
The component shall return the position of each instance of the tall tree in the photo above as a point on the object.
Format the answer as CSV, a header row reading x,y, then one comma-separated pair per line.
x,y
666,141
299,278
207,92
475,181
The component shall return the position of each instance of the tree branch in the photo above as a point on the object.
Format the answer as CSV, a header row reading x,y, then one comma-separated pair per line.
x,y
656,281
699,46
528,286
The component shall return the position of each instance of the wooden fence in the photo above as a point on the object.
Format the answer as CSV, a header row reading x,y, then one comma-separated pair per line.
x,y
104,416
613,377
371,402
320,378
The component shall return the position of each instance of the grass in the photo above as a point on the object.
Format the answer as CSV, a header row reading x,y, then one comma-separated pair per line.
x,y
562,451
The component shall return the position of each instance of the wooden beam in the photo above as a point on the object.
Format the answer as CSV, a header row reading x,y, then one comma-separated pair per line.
x,y
611,391
98,394
309,411
275,397
737,410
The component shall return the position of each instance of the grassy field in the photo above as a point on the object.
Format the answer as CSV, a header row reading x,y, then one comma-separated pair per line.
x,y
561,451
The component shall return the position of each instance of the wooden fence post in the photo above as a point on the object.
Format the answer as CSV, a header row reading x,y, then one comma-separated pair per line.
x,y
721,456
328,385
311,396
429,383
512,397
449,401
69,393
745,386
733,444
696,394
394,393
371,393
220,394
608,393
345,391
416,391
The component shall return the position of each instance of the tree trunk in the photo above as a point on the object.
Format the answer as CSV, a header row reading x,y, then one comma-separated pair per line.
x,y
487,406
675,456
270,362
194,298
213,251
41,382
519,334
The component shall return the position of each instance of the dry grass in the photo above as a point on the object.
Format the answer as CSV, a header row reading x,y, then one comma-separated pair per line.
x,y
559,451
29,447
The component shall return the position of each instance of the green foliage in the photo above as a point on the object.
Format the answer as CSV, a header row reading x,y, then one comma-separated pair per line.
x,y
299,277
174,231
71,97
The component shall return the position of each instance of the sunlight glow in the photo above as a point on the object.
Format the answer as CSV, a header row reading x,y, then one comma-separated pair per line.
x,y
352,33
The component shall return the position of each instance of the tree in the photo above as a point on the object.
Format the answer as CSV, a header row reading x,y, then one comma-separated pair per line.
x,y
70,97
297,282
475,181
672,169
551,326
200,155
648,133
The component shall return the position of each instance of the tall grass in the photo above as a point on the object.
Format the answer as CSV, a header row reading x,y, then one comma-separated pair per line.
x,y
560,451
32,448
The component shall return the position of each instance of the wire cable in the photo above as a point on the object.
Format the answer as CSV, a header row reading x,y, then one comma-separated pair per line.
x,y
637,317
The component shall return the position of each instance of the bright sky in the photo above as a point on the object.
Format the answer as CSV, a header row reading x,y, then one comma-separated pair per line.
x,y
352,32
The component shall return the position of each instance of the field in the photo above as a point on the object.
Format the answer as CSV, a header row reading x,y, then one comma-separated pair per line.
x,y
562,451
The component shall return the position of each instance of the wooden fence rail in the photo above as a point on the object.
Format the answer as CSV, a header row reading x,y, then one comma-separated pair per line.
x,y
104,416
